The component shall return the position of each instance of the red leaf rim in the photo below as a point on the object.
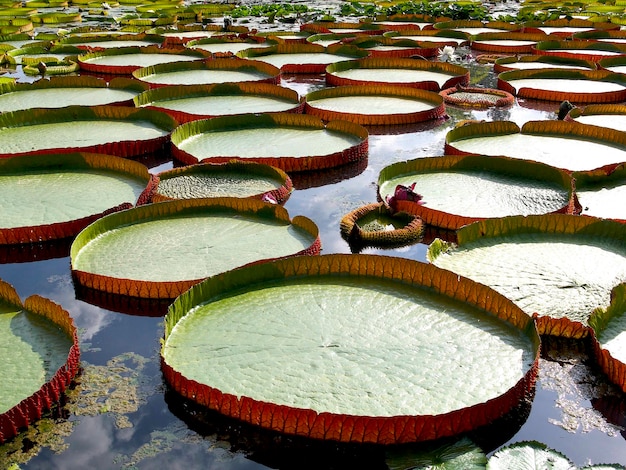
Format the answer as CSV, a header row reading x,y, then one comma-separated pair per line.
x,y
504,98
280,194
349,428
83,60
171,289
352,154
354,234
31,409
125,148
60,230
458,75
437,111
340,50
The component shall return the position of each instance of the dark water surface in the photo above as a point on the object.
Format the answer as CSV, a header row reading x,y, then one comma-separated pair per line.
x,y
120,415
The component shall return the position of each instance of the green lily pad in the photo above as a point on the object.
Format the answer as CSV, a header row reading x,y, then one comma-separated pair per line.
x,y
159,250
458,190
565,145
125,60
289,141
208,72
47,197
528,456
233,179
189,103
601,193
557,267
40,358
115,130
68,91
369,349
458,455
433,76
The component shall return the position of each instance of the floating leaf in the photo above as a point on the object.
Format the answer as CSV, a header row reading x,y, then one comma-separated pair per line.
x,y
55,196
159,250
192,102
232,179
528,456
567,145
114,130
291,142
557,267
432,76
458,190
208,72
40,358
58,92
375,104
354,329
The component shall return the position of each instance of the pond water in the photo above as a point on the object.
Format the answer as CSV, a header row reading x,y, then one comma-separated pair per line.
x,y
121,414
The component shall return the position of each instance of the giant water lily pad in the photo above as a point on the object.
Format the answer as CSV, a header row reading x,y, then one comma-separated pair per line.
x,y
40,358
580,86
375,225
369,349
99,42
585,50
160,250
601,193
567,145
608,328
433,76
125,60
387,47
440,38
232,179
68,91
534,62
302,58
226,46
208,72
291,142
560,267
609,337
604,115
115,130
458,190
506,43
375,104
191,102
47,197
